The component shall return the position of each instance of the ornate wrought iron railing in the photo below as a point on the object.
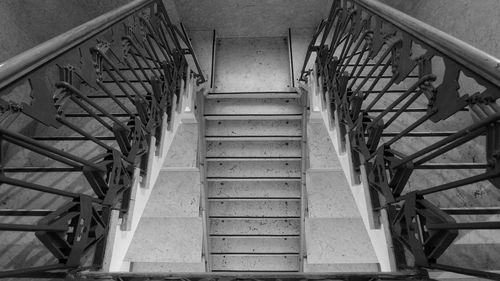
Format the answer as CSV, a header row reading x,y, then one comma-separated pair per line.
x,y
79,114
418,111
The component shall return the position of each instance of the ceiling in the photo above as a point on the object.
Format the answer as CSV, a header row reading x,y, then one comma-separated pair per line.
x,y
252,18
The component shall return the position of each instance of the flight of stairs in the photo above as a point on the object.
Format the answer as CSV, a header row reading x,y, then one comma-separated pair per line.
x,y
254,173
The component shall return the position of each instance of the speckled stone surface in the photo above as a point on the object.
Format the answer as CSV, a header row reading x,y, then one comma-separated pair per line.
x,y
321,151
252,106
262,262
254,245
254,207
341,267
253,149
166,267
268,189
254,128
338,240
240,62
329,196
175,194
254,169
184,148
167,240
239,226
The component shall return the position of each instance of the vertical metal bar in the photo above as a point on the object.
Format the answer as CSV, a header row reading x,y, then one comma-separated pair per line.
x,y
212,75
290,53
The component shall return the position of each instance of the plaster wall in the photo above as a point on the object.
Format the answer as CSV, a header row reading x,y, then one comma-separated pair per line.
x,y
252,18
475,22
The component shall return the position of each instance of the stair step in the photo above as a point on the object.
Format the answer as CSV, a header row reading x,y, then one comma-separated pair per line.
x,y
260,179
253,138
253,106
255,245
254,227
254,95
255,117
254,208
252,263
250,159
254,128
269,189
254,169
284,148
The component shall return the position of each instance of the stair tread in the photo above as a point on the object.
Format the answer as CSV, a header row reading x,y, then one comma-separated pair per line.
x,y
268,189
254,148
253,106
253,95
253,138
254,245
255,262
254,117
257,158
254,208
259,128
255,226
259,168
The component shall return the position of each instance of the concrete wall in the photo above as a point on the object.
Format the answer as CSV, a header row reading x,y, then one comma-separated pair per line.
x,y
27,23
475,22
252,18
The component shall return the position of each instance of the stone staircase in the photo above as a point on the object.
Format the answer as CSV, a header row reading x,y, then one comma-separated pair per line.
x,y
254,173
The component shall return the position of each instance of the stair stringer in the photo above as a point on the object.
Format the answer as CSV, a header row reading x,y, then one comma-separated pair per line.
x,y
122,230
379,235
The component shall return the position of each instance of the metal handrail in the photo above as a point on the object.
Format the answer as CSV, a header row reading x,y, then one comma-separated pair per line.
x,y
470,57
21,65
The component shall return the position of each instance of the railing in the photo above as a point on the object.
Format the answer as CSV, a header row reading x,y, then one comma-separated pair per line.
x,y
417,110
97,98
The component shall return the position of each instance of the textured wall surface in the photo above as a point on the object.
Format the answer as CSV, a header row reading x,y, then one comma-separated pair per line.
x,y
252,18
27,23
475,22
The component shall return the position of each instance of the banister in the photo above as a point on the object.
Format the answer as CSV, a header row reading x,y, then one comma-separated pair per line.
x,y
24,63
470,57
388,84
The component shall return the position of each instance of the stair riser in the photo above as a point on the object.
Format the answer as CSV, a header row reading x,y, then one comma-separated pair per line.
x,y
253,149
257,208
254,226
253,128
252,106
254,169
253,189
255,245
255,263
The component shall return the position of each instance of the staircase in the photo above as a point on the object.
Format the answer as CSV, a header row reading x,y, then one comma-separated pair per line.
x,y
254,175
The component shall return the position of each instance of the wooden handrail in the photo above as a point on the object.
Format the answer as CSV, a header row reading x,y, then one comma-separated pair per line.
x,y
24,63
471,58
